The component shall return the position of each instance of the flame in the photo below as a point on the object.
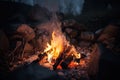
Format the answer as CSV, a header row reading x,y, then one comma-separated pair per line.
x,y
55,47
58,47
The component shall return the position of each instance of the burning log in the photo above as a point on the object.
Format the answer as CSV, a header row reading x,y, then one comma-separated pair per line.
x,y
41,56
61,57
66,62
64,58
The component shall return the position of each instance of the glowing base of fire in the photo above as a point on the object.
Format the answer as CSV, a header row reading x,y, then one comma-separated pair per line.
x,y
72,64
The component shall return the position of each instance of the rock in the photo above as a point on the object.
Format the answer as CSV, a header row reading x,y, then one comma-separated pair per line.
x,y
68,30
28,48
69,22
87,36
109,35
26,32
73,34
73,24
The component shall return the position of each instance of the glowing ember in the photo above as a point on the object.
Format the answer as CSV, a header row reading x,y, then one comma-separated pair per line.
x,y
73,64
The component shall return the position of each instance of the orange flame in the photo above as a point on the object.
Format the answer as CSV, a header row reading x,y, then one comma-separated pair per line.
x,y
57,45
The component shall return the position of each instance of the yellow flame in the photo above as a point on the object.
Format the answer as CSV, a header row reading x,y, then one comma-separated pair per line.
x,y
55,47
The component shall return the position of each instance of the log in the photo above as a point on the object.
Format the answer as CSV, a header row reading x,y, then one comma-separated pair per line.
x,y
66,62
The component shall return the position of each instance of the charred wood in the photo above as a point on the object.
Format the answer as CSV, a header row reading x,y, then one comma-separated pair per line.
x,y
66,62
61,57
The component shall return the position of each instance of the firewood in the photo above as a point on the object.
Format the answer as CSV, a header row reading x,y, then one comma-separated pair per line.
x,y
63,56
66,62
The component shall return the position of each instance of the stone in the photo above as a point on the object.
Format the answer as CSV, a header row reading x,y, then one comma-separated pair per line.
x,y
26,32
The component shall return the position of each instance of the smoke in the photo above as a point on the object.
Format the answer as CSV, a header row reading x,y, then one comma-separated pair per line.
x,y
51,5
29,2
71,6
65,6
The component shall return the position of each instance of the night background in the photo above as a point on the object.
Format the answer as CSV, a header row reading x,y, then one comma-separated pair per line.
x,y
85,23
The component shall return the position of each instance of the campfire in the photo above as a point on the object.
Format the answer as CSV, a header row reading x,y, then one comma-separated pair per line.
x,y
61,56
59,53
34,42
52,50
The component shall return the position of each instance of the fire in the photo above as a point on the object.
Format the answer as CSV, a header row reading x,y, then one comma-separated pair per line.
x,y
59,45
55,47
